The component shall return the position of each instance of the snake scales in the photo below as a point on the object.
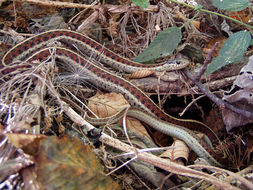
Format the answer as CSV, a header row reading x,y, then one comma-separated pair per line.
x,y
35,48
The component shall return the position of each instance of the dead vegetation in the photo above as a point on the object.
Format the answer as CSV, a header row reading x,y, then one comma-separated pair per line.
x,y
43,105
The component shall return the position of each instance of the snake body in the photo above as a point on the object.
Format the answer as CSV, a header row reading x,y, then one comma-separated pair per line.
x,y
34,49
87,45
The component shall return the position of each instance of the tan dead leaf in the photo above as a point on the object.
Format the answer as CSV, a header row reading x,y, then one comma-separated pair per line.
x,y
135,126
141,74
211,43
29,143
180,16
178,152
105,105
196,23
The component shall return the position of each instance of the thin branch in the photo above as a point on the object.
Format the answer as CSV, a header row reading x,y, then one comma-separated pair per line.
x,y
217,100
236,176
147,157
57,4
206,62
108,7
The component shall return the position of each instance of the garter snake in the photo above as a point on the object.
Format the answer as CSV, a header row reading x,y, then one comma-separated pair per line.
x,y
34,49
87,45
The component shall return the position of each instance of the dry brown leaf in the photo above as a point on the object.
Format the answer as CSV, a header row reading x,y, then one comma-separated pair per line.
x,y
21,140
135,126
211,43
141,74
196,23
178,152
68,164
243,15
29,143
180,15
240,95
105,105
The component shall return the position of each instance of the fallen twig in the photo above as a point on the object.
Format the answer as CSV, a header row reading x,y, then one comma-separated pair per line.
x,y
110,8
146,157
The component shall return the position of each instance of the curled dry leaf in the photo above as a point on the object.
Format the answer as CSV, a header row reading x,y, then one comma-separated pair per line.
x,y
240,95
179,150
141,74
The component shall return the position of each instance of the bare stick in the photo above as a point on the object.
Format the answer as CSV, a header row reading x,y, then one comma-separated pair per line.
x,y
206,62
56,4
147,157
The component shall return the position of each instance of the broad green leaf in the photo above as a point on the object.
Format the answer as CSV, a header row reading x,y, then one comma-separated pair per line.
x,y
231,5
163,45
141,3
232,51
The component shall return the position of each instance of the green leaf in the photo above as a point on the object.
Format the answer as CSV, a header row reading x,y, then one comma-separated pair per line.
x,y
141,3
231,5
163,45
232,51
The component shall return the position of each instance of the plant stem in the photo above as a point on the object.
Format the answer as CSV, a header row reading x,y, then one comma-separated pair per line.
x,y
190,20
211,12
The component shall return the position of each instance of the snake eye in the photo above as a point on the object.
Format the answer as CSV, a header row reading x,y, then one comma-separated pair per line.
x,y
178,62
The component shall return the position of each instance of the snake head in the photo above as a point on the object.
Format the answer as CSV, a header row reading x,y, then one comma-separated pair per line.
x,y
176,64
